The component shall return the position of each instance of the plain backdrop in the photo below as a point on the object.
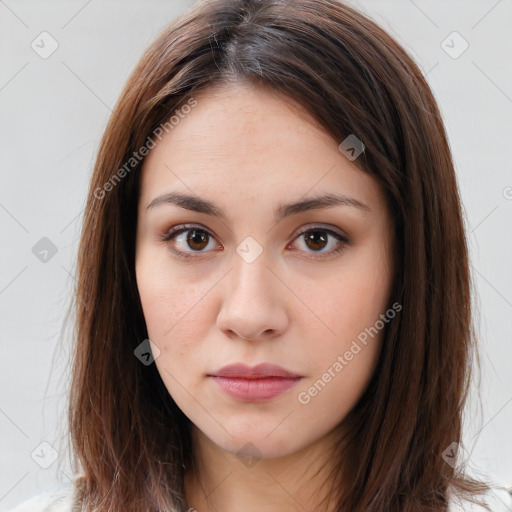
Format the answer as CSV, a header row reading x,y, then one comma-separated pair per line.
x,y
53,111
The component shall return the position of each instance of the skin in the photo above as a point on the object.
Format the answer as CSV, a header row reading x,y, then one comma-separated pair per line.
x,y
297,305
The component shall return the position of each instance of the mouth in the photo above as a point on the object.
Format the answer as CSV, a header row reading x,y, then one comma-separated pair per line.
x,y
254,384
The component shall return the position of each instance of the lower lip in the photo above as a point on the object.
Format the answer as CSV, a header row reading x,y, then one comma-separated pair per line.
x,y
255,390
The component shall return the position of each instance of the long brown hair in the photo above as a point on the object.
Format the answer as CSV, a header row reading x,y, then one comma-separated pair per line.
x,y
130,440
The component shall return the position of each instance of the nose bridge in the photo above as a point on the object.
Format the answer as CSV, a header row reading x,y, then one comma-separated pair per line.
x,y
250,277
250,306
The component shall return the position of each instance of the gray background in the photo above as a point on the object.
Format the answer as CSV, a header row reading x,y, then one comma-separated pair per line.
x,y
53,113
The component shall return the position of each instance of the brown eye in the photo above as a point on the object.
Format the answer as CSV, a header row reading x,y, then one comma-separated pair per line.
x,y
185,240
316,240
197,239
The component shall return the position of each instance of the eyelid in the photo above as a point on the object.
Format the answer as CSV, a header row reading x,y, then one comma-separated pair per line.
x,y
180,228
175,230
327,229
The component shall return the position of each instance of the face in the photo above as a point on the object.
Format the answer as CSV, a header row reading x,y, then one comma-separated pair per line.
x,y
236,275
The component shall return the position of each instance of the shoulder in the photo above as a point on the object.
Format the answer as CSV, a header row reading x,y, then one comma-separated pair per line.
x,y
57,499
497,499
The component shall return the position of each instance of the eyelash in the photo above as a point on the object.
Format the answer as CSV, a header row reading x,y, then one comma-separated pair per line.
x,y
177,230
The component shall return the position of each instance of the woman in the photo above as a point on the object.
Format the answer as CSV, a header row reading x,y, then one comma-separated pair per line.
x,y
273,300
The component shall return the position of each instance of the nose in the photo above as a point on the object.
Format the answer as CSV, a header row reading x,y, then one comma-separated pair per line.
x,y
253,306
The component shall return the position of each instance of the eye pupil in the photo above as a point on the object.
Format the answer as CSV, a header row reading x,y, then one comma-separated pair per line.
x,y
314,237
197,237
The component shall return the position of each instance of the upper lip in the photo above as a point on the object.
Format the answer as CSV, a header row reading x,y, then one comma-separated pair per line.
x,y
253,372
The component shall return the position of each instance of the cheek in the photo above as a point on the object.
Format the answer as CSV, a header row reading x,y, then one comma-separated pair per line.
x,y
343,362
349,305
177,322
352,301
173,305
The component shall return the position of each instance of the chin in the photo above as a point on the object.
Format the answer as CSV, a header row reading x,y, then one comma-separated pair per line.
x,y
255,445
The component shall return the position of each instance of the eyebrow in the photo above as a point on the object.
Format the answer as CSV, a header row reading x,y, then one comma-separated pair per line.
x,y
197,204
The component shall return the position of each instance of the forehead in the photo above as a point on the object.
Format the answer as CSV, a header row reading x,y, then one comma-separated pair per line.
x,y
240,137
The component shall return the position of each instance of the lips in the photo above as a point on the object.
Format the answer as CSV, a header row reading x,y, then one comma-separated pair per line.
x,y
256,372
254,384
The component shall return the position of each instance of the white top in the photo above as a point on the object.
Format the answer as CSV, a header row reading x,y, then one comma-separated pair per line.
x,y
55,499
60,499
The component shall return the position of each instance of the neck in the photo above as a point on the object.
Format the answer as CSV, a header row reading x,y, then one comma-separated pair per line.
x,y
225,482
